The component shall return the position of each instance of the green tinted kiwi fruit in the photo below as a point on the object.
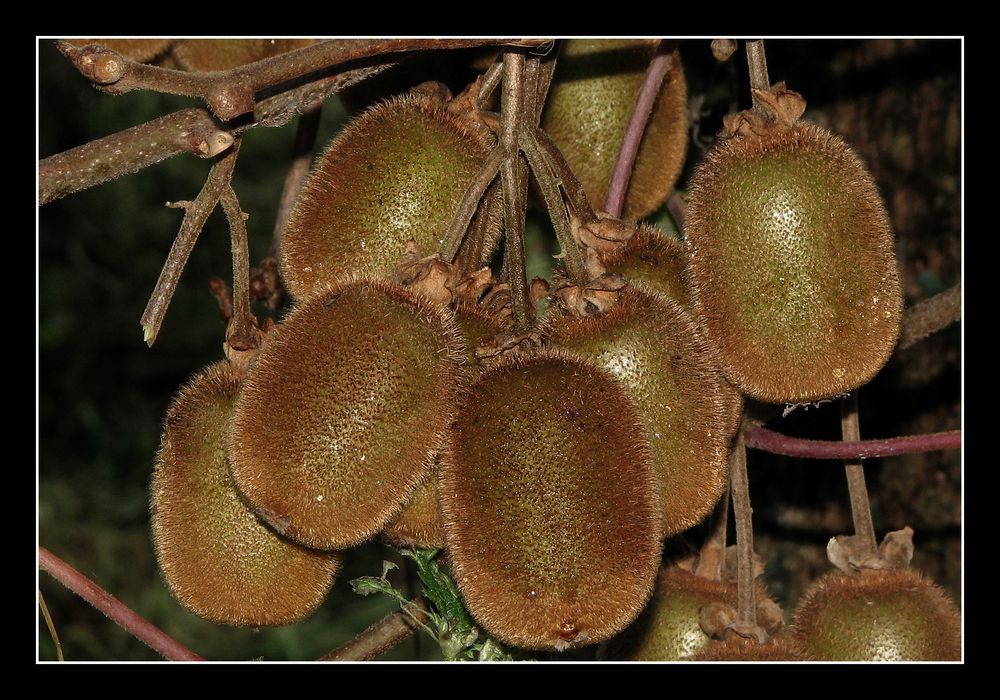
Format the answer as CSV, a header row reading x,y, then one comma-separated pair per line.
x,y
140,50
651,345
652,260
419,525
219,560
550,503
780,648
205,55
397,172
884,615
342,412
792,265
589,106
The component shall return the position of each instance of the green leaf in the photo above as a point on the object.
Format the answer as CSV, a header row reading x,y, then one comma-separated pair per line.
x,y
366,585
493,651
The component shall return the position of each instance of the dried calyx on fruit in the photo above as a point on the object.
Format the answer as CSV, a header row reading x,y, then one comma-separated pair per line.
x,y
397,172
589,105
343,411
550,503
204,55
791,257
878,615
219,560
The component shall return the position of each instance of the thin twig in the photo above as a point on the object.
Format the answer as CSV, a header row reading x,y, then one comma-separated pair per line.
x,y
658,68
514,180
490,80
302,154
241,335
757,63
382,636
712,556
195,215
231,93
861,511
571,185
51,625
931,315
189,130
747,605
546,70
129,620
470,202
776,443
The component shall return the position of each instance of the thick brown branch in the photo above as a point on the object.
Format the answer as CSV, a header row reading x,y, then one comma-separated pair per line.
x,y
382,636
776,443
195,215
189,130
231,93
658,68
931,315
133,623
514,182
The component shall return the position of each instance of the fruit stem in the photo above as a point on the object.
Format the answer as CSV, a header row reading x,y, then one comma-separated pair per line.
x,y
514,181
776,443
195,215
658,68
861,510
757,62
571,185
302,153
187,131
931,315
51,625
382,636
231,93
747,605
712,556
241,335
544,70
490,80
129,620
470,202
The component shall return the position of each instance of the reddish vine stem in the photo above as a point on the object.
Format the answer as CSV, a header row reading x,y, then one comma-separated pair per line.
x,y
757,62
861,511
302,153
382,636
241,334
187,131
658,68
514,180
776,443
931,315
743,513
129,620
231,93
195,215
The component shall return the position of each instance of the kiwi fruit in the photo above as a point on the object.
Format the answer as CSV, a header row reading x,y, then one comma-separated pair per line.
x,y
397,172
780,648
651,260
219,560
141,50
792,266
589,106
880,615
341,414
205,55
652,347
669,628
419,525
550,502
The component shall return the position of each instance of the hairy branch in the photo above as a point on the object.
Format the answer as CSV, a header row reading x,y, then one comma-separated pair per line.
x,y
382,636
195,215
129,620
776,443
931,315
658,68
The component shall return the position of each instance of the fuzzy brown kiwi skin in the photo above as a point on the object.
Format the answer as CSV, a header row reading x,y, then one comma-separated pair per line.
x,y
653,347
395,173
793,270
884,615
218,559
347,403
549,554
589,106
419,525
141,50
205,55
780,648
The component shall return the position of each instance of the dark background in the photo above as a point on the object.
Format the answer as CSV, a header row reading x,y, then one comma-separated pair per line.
x,y
103,392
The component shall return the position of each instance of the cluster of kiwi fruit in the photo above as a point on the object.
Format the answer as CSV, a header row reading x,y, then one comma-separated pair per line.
x,y
550,475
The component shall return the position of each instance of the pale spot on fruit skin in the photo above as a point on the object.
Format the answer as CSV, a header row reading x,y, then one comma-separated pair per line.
x,y
839,372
